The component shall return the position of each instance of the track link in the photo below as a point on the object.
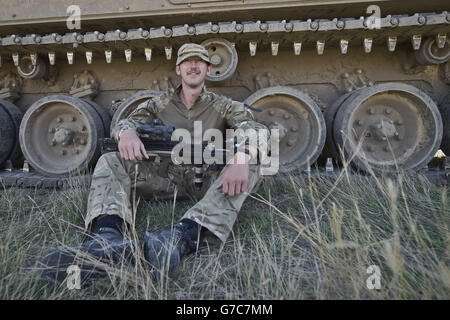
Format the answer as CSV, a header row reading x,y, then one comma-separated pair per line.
x,y
340,33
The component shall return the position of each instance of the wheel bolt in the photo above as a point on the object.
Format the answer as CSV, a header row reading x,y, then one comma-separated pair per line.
x,y
388,111
74,119
271,112
83,141
290,143
359,122
59,119
386,148
371,111
63,152
294,129
399,122
286,116
53,143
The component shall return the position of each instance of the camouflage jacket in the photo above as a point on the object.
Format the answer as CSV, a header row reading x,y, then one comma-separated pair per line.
x,y
212,109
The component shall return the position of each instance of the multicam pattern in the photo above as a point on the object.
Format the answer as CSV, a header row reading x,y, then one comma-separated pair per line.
x,y
113,182
218,212
114,178
213,110
188,50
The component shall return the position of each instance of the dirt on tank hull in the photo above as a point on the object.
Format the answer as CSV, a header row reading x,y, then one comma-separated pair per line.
x,y
366,80
42,16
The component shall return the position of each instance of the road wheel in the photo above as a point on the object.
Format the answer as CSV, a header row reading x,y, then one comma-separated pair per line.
x,y
299,120
10,117
388,126
223,57
59,135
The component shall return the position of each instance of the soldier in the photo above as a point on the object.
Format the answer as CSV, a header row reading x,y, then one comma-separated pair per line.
x,y
109,211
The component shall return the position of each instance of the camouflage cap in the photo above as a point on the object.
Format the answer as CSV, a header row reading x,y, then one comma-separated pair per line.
x,y
188,50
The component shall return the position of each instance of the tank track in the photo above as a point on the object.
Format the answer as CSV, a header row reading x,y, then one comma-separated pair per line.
x,y
26,178
438,174
321,34
392,29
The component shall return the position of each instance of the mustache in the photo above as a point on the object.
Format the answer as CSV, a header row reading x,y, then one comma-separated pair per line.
x,y
196,71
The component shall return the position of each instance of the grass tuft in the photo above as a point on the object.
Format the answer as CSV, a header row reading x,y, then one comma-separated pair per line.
x,y
299,237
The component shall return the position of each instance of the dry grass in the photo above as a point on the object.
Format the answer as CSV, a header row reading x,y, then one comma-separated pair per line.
x,y
297,238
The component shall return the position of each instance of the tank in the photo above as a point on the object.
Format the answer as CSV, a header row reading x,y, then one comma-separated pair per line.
x,y
366,82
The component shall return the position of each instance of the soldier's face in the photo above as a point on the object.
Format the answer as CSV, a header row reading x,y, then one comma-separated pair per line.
x,y
193,71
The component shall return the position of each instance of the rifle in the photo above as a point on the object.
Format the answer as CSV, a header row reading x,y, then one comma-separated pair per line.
x,y
157,140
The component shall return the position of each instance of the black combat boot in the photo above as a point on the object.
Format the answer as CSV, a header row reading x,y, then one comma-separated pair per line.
x,y
107,245
164,249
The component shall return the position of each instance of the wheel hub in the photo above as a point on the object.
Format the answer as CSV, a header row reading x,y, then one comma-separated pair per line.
x,y
64,136
277,125
216,60
383,130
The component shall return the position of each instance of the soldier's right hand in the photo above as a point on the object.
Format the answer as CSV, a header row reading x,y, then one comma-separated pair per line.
x,y
131,147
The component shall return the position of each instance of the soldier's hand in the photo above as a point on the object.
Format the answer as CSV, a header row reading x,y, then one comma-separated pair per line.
x,y
131,147
235,177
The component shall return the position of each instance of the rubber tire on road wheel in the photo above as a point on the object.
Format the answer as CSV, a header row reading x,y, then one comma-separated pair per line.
x,y
42,125
421,131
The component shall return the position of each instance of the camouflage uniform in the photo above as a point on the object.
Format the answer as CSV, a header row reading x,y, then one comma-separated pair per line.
x,y
114,178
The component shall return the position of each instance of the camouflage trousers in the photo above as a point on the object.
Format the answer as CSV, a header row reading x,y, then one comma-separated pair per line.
x,y
114,180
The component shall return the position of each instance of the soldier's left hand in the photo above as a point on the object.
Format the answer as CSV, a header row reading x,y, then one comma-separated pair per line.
x,y
235,177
